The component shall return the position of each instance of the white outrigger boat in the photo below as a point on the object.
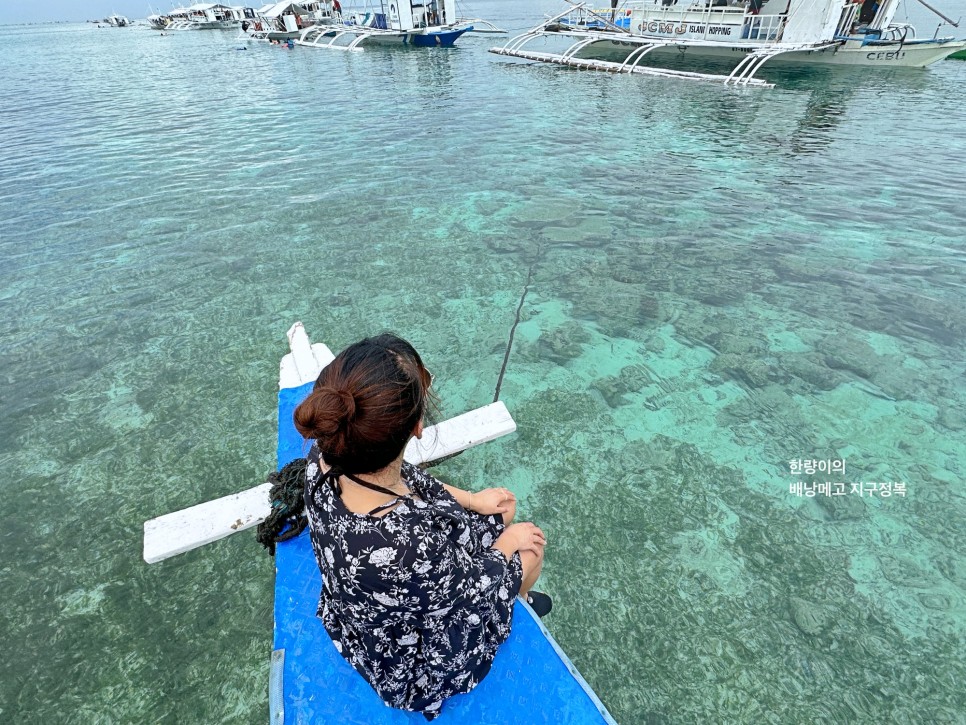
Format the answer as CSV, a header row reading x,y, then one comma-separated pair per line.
x,y
531,680
201,16
626,39
286,20
421,23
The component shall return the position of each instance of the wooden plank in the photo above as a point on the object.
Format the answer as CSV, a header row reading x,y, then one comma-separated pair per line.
x,y
184,530
462,432
181,531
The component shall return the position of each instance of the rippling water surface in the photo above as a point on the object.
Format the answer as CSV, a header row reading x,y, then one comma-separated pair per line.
x,y
722,282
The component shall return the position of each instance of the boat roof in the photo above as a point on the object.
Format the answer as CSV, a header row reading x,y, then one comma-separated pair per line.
x,y
273,11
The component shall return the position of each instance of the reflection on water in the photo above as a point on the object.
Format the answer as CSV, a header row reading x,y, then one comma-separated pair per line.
x,y
723,281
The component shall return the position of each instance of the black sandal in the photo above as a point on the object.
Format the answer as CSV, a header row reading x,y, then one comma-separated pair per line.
x,y
540,603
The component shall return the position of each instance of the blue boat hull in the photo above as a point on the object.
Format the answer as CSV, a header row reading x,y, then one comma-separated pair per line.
x,y
444,39
531,680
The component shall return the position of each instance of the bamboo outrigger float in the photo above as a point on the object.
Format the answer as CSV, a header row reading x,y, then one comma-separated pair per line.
x,y
834,32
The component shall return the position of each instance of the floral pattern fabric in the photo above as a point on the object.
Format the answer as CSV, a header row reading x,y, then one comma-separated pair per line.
x,y
416,599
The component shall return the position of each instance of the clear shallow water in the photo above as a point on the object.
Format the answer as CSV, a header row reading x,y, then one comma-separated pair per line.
x,y
722,281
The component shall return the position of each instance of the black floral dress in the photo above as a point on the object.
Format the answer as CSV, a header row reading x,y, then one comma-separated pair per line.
x,y
415,599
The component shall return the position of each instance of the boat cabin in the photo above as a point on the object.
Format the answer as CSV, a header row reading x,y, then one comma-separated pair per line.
x,y
402,15
751,21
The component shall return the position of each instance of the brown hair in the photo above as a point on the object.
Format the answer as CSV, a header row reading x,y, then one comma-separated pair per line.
x,y
366,403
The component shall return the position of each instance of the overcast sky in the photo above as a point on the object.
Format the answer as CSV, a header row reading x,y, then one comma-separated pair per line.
x,y
42,11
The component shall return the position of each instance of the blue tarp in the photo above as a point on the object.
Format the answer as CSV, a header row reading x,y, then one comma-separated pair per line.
x,y
531,681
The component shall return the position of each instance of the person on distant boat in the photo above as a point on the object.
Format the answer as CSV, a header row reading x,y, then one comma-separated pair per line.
x,y
868,11
754,6
336,6
418,577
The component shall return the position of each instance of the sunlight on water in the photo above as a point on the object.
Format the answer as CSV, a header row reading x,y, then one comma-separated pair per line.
x,y
722,282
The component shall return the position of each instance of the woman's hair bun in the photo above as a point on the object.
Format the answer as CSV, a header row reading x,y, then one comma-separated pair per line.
x,y
348,402
331,410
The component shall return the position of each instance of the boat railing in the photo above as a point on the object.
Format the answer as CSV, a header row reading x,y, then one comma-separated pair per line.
x,y
676,8
902,31
763,27
702,20
848,20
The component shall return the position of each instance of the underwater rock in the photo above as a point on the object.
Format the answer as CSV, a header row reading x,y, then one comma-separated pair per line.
x,y
505,244
754,372
563,343
627,275
935,600
490,207
593,231
807,368
649,309
695,323
613,388
612,306
539,215
654,344
339,299
953,568
952,419
812,619
842,508
904,571
726,342
845,353
609,388
720,296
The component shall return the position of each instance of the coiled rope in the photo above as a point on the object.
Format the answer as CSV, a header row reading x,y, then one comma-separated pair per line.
x,y
287,519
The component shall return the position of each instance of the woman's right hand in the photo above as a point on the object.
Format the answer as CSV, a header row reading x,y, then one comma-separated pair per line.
x,y
527,537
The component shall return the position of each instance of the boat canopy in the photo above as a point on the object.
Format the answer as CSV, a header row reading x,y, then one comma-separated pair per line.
x,y
279,9
209,6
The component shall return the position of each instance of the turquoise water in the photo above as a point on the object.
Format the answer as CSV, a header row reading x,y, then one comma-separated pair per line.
x,y
722,281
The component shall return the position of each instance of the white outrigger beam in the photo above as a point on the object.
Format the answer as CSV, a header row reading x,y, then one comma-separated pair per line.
x,y
593,28
631,63
184,530
325,36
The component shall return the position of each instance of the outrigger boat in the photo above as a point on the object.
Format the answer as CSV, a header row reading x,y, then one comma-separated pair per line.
x,y
286,20
200,16
423,23
531,681
626,39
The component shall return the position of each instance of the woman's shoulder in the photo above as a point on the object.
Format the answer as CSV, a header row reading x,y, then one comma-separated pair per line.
x,y
419,480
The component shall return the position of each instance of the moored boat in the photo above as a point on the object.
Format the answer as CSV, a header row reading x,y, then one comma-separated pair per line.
x,y
421,23
638,35
286,20
201,16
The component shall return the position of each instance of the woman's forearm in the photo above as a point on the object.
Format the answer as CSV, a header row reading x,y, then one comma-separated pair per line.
x,y
463,498
507,544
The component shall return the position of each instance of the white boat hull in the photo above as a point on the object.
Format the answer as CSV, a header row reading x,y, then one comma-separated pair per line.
x,y
851,53
642,34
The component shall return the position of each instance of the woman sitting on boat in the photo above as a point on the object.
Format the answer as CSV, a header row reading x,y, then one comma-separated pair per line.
x,y
418,577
